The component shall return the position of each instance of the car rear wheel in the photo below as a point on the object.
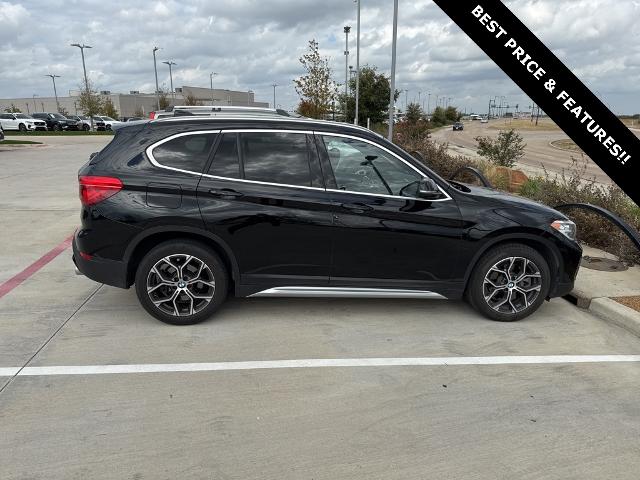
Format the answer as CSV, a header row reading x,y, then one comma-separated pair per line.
x,y
509,283
181,282
56,128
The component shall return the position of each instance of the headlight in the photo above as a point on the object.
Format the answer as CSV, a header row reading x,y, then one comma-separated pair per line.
x,y
565,227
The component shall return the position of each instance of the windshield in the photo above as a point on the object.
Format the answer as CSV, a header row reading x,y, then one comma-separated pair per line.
x,y
57,115
108,119
22,115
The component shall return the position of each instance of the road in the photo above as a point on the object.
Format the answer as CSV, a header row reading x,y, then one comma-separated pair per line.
x,y
539,153
550,419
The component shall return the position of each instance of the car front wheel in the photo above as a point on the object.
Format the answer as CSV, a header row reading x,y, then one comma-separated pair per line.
x,y
509,283
22,127
56,128
85,127
181,282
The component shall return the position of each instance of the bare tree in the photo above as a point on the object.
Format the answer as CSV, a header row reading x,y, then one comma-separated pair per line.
x,y
317,89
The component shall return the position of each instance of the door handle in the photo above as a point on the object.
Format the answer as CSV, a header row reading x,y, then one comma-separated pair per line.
x,y
357,207
225,193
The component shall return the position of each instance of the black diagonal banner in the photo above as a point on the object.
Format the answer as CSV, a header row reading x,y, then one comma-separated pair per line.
x,y
548,82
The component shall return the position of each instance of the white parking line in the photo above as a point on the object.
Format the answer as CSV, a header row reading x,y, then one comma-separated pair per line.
x,y
313,363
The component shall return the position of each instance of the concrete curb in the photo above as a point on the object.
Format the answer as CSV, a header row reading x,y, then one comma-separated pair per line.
x,y
617,314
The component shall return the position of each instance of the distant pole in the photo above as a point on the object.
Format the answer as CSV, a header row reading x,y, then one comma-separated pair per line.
x,y
346,70
35,107
274,94
406,100
173,94
393,68
86,80
55,92
155,69
211,75
355,120
429,104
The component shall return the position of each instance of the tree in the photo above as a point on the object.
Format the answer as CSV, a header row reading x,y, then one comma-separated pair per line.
x,y
108,108
316,88
452,114
89,101
414,113
163,99
138,112
505,151
374,96
192,100
438,117
12,109
63,111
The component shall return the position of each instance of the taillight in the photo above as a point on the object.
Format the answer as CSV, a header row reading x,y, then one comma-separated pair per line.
x,y
152,115
96,189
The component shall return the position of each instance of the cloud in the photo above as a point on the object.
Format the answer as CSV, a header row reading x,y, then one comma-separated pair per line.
x,y
254,43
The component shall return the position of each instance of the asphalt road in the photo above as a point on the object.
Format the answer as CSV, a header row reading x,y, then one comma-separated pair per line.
x,y
539,153
540,420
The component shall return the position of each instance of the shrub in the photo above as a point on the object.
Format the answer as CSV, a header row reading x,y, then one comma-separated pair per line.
x,y
504,151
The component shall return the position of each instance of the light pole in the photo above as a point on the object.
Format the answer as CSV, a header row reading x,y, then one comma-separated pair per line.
x,y
173,94
419,96
346,70
355,119
211,75
155,69
274,85
393,68
429,104
55,92
406,100
86,81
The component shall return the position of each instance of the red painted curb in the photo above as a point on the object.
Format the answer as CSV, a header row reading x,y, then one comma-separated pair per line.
x,y
17,279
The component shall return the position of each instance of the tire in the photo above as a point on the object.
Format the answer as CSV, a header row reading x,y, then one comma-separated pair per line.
x,y
22,127
157,279
85,127
506,299
56,127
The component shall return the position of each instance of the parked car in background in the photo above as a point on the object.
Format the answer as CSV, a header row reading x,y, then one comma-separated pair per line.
x,y
84,122
21,122
99,124
160,114
192,209
1,133
108,122
458,126
135,119
57,122
484,120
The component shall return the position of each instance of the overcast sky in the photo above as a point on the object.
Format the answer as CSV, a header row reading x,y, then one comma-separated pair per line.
x,y
254,43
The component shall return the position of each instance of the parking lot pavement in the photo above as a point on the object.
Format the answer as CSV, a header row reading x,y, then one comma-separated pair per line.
x,y
505,421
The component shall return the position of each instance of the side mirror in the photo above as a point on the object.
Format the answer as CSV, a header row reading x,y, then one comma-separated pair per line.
x,y
428,189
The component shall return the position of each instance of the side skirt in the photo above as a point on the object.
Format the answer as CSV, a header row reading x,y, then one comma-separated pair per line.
x,y
346,292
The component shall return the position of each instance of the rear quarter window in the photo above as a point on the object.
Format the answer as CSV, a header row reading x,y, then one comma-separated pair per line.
x,y
186,152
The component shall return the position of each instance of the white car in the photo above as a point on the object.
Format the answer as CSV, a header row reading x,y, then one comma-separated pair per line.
x,y
83,121
108,122
21,122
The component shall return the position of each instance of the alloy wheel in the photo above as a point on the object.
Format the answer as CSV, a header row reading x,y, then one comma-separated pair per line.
x,y
180,285
512,285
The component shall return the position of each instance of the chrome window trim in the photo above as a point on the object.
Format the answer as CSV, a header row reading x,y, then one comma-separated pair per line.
x,y
447,197
150,148
149,152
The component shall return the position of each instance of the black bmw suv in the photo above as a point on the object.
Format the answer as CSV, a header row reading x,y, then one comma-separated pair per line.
x,y
192,209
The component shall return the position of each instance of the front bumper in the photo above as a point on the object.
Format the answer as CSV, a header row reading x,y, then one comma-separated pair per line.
x,y
109,272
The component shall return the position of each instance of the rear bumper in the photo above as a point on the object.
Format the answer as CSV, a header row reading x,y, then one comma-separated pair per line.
x,y
109,272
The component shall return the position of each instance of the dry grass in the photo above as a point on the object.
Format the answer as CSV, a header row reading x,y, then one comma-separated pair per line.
x,y
631,302
566,145
545,124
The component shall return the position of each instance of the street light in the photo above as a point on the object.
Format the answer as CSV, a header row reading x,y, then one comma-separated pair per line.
x,y
346,70
211,75
86,81
55,92
274,94
393,68
173,94
355,119
155,69
429,104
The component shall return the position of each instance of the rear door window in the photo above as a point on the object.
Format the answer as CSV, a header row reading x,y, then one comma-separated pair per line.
x,y
226,162
185,152
276,157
